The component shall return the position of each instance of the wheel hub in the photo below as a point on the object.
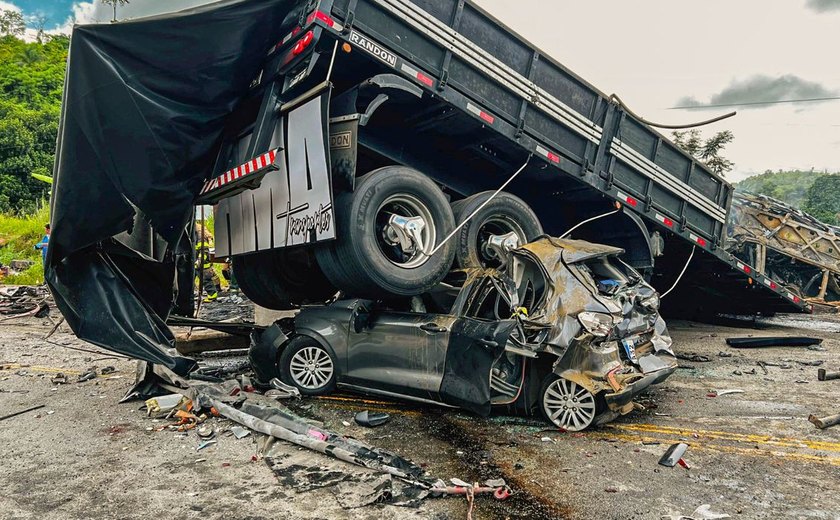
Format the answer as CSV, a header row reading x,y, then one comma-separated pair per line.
x,y
497,246
406,232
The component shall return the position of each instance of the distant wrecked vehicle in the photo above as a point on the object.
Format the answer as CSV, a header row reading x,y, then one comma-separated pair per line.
x,y
562,326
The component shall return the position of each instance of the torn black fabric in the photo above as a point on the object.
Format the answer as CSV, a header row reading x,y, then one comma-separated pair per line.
x,y
144,106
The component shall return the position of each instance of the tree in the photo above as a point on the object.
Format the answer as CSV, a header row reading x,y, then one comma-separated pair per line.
x,y
114,3
822,200
11,23
31,80
708,151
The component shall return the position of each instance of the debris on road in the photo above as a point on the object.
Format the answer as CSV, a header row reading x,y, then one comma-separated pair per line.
x,y
824,422
703,512
673,454
204,445
87,375
15,414
280,390
161,406
239,432
824,375
693,356
59,379
371,419
720,393
773,341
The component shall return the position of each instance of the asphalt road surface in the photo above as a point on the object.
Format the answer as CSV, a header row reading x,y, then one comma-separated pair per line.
x,y
752,454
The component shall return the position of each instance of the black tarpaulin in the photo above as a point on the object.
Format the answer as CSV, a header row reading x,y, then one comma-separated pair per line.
x,y
144,106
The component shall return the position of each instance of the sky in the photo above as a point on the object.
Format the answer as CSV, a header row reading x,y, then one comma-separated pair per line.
x,y
661,54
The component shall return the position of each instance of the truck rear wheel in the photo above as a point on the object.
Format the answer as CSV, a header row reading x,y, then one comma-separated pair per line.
x,y
386,228
504,214
282,279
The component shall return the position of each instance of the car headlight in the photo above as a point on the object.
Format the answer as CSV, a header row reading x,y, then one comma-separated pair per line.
x,y
597,323
651,302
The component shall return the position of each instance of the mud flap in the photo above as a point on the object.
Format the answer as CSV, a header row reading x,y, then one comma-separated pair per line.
x,y
474,346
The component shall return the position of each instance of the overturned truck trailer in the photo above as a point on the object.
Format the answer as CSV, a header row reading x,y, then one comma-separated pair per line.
x,y
787,244
342,142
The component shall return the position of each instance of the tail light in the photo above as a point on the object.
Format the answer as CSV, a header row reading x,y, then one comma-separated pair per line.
x,y
303,43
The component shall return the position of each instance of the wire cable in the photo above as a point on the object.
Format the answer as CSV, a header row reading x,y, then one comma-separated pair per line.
x,y
620,103
596,217
681,273
459,226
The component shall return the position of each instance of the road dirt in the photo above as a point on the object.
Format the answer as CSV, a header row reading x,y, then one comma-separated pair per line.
x,y
751,454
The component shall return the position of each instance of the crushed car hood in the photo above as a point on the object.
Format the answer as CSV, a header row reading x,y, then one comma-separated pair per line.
x,y
562,294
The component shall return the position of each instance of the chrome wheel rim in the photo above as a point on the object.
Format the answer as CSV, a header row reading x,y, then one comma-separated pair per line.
x,y
495,226
406,206
311,368
569,405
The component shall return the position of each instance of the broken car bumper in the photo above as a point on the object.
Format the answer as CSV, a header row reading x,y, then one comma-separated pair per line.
x,y
655,369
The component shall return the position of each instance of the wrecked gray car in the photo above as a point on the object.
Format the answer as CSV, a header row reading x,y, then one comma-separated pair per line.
x,y
562,328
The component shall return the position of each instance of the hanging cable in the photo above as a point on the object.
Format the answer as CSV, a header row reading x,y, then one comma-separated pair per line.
x,y
681,273
459,226
620,103
613,212
332,60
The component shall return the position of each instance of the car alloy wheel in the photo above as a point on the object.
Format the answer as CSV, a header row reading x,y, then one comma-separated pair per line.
x,y
311,368
568,405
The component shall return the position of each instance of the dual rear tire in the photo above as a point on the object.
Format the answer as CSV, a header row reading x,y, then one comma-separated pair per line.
x,y
388,230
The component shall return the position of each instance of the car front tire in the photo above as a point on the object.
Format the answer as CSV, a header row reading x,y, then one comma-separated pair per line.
x,y
309,366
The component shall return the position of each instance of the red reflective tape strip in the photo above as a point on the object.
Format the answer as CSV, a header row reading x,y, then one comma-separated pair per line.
x,y
551,156
258,163
424,79
484,116
628,199
320,15
744,267
665,220
700,240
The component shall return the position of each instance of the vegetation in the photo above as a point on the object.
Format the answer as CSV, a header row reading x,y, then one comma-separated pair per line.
x,y
823,199
787,186
707,151
31,80
18,236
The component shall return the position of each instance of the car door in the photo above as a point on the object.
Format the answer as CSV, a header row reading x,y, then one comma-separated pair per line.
x,y
399,352
474,346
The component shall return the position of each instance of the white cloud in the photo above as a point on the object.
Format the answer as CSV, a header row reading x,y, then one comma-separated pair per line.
x,y
8,6
82,13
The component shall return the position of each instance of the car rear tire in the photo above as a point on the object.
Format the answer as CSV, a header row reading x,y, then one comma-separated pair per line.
x,y
308,365
503,214
366,259
568,405
282,279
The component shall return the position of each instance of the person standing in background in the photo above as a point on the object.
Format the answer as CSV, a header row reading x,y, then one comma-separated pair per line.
x,y
44,243
204,262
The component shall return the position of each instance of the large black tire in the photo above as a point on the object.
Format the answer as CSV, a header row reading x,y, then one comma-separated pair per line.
x,y
282,279
361,262
295,360
501,215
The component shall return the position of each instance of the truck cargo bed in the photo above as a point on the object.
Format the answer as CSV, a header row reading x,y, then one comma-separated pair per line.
x,y
468,60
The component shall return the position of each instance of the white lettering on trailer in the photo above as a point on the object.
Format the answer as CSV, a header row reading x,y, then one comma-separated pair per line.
x,y
372,48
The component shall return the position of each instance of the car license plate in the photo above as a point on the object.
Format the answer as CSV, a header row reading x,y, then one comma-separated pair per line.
x,y
629,345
